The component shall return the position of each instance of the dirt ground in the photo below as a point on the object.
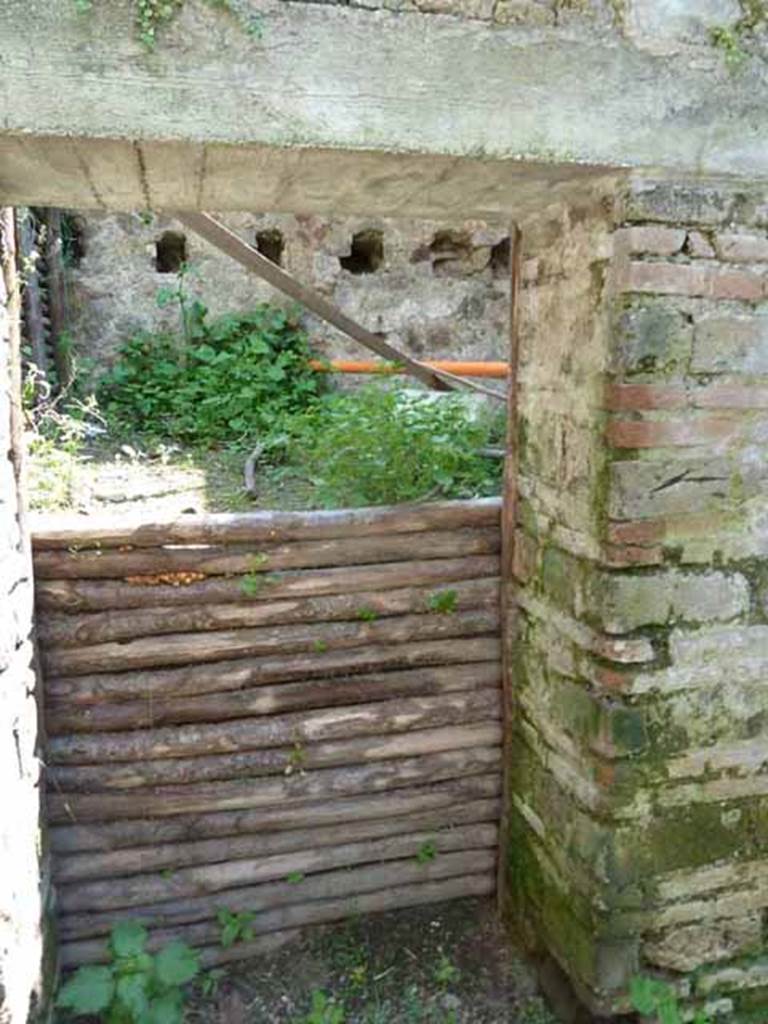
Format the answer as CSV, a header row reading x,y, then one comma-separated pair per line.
x,y
451,963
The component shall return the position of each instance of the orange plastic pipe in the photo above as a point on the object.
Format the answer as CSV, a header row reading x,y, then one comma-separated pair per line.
x,y
477,369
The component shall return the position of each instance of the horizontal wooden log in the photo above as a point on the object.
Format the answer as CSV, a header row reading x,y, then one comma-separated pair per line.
x,y
135,890
63,716
321,784
73,954
118,835
57,530
121,777
260,898
227,676
256,949
299,728
110,563
98,595
194,648
77,630
172,856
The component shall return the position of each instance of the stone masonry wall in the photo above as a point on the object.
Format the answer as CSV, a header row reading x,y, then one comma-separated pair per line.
x,y
640,804
440,291
21,945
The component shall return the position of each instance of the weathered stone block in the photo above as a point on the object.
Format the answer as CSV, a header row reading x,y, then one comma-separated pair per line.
x,y
674,202
706,280
654,240
731,344
630,602
699,246
737,248
688,948
652,336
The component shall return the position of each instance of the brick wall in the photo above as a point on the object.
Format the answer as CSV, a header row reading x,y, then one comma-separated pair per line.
x,y
20,848
639,777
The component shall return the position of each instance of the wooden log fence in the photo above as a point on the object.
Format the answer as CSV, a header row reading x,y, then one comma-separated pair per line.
x,y
295,714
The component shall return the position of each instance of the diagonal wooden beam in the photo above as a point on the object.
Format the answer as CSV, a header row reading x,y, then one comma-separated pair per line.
x,y
214,232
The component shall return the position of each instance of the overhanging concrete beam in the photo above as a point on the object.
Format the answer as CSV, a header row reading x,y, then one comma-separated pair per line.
x,y
340,108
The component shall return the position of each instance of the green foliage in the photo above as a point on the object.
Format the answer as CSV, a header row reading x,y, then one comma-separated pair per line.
x,y
367,614
446,973
217,382
294,877
733,39
210,981
443,602
324,1010
383,445
426,852
153,15
135,987
660,1000
234,926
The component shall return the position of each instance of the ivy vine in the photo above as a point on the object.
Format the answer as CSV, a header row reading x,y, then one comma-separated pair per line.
x,y
151,16
734,40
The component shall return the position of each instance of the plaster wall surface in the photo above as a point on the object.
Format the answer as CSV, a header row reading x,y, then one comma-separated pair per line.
x,y
441,291
21,854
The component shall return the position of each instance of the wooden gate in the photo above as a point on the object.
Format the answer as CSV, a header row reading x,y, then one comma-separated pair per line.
x,y
294,714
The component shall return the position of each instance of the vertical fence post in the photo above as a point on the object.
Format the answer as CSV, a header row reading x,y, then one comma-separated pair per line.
x,y
508,520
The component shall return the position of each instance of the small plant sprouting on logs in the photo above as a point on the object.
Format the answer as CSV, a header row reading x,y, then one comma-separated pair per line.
x,y
136,987
367,614
443,602
234,926
296,760
426,853
295,877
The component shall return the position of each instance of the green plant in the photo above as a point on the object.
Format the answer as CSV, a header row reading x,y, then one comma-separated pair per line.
x,y
213,383
210,981
734,39
136,987
384,444
152,15
234,926
446,973
294,877
319,646
443,602
296,759
426,852
649,996
367,614
324,1010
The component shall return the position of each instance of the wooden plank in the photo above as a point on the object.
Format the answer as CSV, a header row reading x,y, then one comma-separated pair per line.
x,y
258,899
222,238
227,676
105,778
508,526
63,717
51,531
135,890
374,720
117,835
172,856
196,648
321,784
73,954
94,628
224,560
98,595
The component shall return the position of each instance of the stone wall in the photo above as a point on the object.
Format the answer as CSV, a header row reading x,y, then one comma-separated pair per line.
x,y
437,290
21,944
639,778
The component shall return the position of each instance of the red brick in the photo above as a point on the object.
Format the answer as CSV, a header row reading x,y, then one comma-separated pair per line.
x,y
653,240
695,279
699,246
669,433
639,397
621,556
642,531
742,248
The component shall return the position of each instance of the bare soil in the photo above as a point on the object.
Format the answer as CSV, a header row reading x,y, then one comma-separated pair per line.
x,y
450,963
